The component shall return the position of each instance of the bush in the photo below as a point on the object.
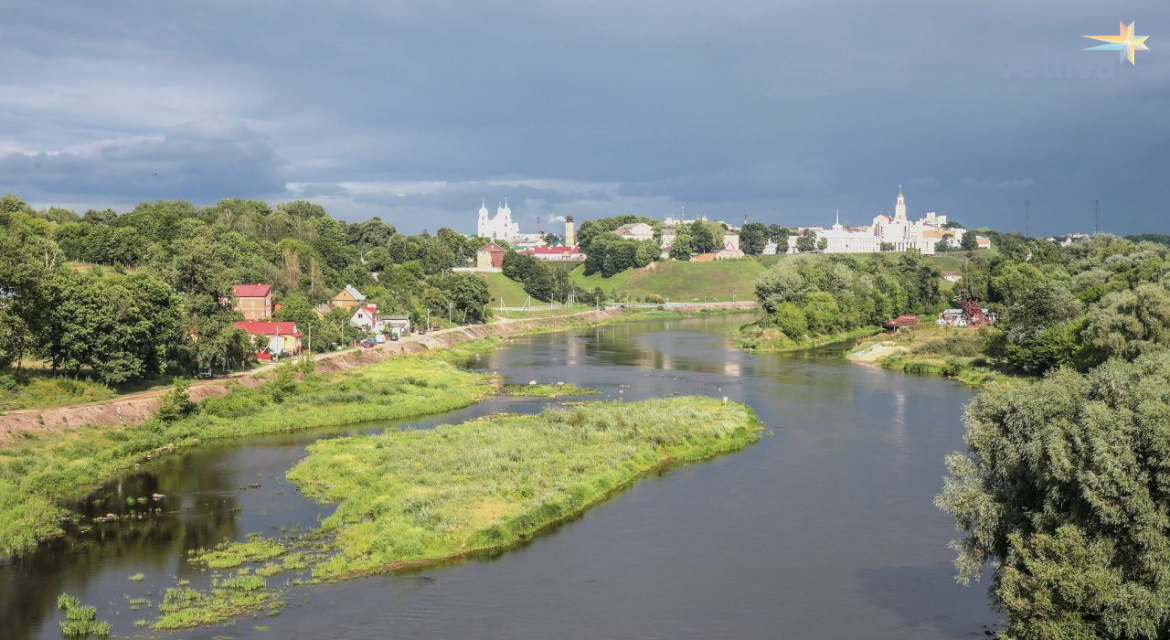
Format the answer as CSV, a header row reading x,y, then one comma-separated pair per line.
x,y
176,404
8,382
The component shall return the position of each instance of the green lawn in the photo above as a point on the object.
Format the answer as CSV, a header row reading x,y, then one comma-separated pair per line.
x,y
501,286
681,281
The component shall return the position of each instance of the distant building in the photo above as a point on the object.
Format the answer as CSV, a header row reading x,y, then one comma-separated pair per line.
x,y
490,256
635,231
906,235
570,232
839,239
348,298
366,318
501,227
982,242
555,253
273,338
952,276
323,309
254,301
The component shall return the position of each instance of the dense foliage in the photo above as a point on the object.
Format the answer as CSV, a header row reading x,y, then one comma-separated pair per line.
x,y
1064,489
132,295
820,295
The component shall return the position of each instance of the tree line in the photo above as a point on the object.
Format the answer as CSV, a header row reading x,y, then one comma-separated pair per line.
x,y
136,294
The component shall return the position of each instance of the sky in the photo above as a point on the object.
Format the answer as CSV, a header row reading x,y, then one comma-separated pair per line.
x,y
414,111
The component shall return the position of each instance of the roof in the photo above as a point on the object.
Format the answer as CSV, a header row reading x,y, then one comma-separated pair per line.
x,y
324,308
555,250
357,295
251,290
950,273
373,311
491,246
269,328
629,228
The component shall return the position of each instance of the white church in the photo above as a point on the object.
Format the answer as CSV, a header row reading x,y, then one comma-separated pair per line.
x,y
501,227
921,235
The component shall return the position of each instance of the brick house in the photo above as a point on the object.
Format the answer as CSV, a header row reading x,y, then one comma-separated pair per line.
x,y
490,256
254,301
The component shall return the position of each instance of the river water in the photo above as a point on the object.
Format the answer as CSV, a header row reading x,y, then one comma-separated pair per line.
x,y
824,529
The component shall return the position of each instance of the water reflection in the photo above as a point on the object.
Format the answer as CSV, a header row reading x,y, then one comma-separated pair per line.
x,y
825,529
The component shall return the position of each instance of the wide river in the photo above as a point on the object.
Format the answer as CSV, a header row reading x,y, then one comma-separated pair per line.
x,y
824,529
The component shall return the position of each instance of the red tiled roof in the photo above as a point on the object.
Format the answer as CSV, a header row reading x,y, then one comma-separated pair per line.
x,y
269,328
492,247
561,250
373,311
251,290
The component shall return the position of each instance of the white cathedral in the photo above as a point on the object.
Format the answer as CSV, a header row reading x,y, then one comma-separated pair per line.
x,y
921,235
500,227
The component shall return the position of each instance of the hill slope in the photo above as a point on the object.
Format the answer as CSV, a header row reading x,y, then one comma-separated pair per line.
x,y
501,286
680,281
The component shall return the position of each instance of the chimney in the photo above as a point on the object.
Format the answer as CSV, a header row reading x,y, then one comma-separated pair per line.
x,y
570,232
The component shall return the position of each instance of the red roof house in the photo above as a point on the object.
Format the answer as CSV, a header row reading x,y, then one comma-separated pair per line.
x,y
253,300
280,338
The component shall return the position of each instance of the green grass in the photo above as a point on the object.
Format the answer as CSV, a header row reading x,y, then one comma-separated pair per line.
x,y
680,281
35,389
80,620
183,607
37,470
501,286
546,390
138,577
756,339
229,555
415,497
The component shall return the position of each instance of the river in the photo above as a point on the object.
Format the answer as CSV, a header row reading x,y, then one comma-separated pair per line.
x,y
824,529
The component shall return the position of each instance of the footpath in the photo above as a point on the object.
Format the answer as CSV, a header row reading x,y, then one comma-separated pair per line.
x,y
138,407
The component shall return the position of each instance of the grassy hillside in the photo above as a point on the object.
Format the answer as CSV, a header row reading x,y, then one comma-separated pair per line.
x,y
680,281
500,285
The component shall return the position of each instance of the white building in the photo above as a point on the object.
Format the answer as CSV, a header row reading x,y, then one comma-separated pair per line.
x,y
501,227
904,234
635,231
841,240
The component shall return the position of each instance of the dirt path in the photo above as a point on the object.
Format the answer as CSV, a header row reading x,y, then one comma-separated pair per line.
x,y
135,408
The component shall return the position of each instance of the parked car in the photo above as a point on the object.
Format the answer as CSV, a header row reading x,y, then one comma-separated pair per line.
x,y
369,343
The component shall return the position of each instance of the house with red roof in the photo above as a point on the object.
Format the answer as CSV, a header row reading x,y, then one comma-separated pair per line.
x,y
254,301
273,338
490,256
556,253
365,318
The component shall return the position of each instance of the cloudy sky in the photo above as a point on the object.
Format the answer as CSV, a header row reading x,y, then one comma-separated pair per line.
x,y
783,111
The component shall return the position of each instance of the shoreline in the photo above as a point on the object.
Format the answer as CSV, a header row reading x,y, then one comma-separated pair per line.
x,y
134,409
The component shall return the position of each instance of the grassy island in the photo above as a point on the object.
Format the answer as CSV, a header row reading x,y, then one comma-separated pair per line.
x,y
38,470
416,497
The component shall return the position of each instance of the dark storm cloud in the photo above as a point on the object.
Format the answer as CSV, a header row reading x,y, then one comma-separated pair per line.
x,y
415,110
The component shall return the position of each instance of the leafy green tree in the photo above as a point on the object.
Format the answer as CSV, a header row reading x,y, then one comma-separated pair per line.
x,y
1063,493
822,313
790,319
1130,323
681,248
647,251
822,244
468,295
753,237
969,242
703,238
807,242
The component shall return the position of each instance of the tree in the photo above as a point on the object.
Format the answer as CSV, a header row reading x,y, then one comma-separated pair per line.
x,y
887,247
646,253
468,295
703,238
791,320
822,244
969,242
681,249
753,237
1130,323
1063,492
807,242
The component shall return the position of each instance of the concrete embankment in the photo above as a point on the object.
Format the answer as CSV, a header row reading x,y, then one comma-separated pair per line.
x,y
137,408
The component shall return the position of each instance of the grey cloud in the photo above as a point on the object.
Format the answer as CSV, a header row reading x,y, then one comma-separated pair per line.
x,y
201,161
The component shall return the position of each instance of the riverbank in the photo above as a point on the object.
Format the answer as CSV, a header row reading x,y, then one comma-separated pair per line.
x,y
138,408
38,470
930,350
408,499
754,339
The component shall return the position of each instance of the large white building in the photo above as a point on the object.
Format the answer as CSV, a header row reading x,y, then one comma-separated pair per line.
x,y
501,227
921,235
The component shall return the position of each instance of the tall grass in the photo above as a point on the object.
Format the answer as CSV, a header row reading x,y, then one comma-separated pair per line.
x,y
413,497
39,469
